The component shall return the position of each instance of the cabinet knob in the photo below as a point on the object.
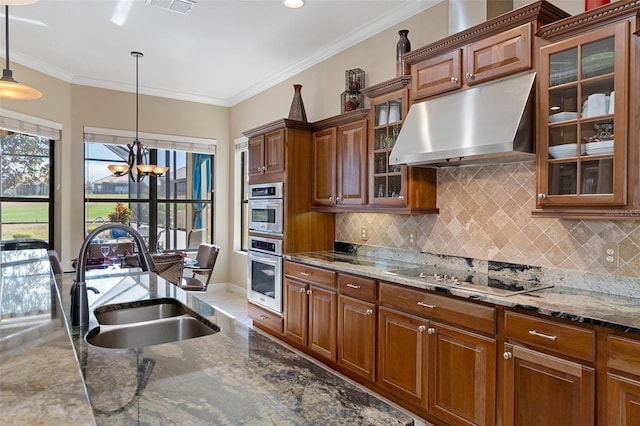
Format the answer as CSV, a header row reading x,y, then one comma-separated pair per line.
x,y
507,355
400,197
309,291
469,76
302,290
331,199
454,80
542,196
431,330
264,168
338,199
421,328
368,312
263,317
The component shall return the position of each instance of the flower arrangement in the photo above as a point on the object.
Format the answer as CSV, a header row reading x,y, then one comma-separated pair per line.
x,y
121,214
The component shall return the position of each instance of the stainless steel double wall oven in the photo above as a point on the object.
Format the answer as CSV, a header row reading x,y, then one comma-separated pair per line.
x,y
266,227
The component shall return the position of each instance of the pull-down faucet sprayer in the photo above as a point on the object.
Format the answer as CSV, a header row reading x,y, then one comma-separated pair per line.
x,y
79,302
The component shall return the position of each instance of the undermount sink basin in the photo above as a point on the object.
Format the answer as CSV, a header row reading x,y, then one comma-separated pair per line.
x,y
145,310
147,323
150,333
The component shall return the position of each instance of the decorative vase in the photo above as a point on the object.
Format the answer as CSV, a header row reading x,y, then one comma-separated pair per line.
x,y
403,46
118,233
297,112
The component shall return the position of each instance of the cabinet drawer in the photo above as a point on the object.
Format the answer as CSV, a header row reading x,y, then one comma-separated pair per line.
x,y
623,354
310,274
443,308
265,318
358,287
564,339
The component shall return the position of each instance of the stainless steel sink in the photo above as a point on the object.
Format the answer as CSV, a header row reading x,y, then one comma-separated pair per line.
x,y
150,333
147,323
146,310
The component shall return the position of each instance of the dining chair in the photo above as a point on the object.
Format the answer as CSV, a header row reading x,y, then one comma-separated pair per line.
x,y
168,266
194,237
205,262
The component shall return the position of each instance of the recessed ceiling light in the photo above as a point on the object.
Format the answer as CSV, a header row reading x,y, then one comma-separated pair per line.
x,y
294,4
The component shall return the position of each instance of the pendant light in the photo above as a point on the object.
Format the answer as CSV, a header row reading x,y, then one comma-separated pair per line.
x,y
9,87
135,162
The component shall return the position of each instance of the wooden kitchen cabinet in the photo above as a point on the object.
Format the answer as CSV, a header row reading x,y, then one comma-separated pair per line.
x,y
395,188
357,312
339,165
545,381
310,309
266,157
489,58
462,375
446,368
623,381
582,134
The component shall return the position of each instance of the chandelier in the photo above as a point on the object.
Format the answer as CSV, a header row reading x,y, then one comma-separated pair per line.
x,y
137,151
9,87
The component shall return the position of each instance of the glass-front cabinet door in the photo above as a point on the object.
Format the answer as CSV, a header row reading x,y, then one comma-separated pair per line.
x,y
582,120
388,183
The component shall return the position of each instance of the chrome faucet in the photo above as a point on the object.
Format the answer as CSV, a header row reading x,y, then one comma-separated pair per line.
x,y
79,302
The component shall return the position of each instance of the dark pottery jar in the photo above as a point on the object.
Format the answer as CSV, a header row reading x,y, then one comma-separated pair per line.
x,y
297,112
403,46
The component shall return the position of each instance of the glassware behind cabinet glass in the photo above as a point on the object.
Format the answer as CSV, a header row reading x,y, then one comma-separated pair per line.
x,y
104,250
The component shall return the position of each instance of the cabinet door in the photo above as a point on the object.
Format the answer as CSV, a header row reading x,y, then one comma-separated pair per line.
x,y
402,354
274,152
255,150
324,167
492,57
322,322
462,379
540,389
388,182
582,125
357,336
296,311
436,75
352,163
623,400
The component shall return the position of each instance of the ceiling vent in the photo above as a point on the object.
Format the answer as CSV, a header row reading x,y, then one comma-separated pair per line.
x,y
180,6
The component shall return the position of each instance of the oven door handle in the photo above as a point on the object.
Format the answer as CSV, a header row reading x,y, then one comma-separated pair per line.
x,y
269,259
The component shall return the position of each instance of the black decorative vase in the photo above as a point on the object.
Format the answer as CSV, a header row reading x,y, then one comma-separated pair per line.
x,y
403,46
297,112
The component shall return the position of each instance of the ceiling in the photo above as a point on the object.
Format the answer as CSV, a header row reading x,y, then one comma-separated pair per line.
x,y
221,52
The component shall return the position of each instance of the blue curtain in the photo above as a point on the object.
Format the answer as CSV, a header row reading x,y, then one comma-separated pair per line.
x,y
201,164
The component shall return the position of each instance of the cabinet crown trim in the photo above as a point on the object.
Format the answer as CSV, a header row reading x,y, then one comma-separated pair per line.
x,y
541,12
387,86
277,125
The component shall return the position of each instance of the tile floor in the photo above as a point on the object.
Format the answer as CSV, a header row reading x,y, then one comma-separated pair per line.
x,y
232,300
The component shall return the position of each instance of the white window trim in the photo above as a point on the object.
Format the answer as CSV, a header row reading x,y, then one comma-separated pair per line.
x,y
152,140
241,144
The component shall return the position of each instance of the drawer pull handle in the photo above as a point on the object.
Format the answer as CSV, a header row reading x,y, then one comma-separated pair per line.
x,y
264,317
507,355
368,312
426,305
305,274
421,328
353,286
546,336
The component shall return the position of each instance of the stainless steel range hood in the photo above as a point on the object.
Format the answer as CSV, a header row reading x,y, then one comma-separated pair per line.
x,y
489,123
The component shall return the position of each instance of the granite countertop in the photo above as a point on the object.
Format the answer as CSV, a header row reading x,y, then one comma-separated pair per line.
x,y
236,376
590,307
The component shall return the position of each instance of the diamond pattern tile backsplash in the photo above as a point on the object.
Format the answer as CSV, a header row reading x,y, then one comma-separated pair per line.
x,y
485,213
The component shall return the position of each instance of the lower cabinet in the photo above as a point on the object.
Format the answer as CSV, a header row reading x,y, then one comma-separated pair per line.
x,y
623,381
402,354
462,376
357,336
310,318
541,389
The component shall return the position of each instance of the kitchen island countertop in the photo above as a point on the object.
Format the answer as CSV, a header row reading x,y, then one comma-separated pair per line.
x,y
236,376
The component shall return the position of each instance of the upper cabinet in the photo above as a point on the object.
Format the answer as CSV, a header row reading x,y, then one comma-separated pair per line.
x,y
495,48
486,59
587,153
401,188
266,157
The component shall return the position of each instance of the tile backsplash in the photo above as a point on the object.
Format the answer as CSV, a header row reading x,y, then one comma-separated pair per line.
x,y
485,213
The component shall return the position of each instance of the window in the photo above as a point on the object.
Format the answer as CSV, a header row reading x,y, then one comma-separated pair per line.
x,y
241,195
26,194
244,197
172,212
